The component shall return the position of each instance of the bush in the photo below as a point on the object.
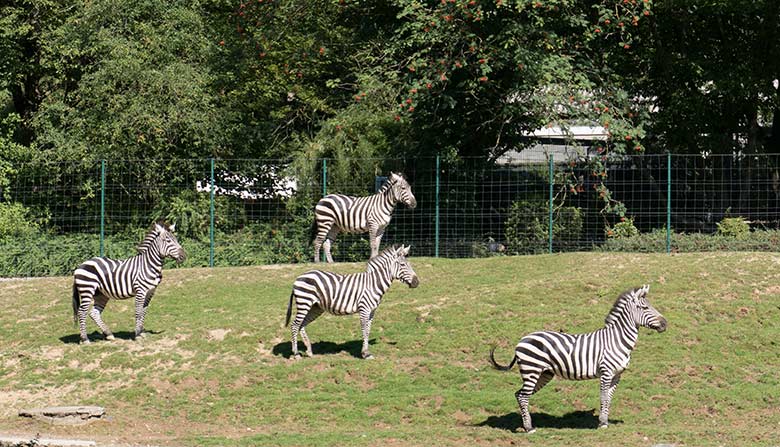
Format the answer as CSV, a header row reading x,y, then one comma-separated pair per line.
x,y
527,227
622,229
16,221
655,241
736,227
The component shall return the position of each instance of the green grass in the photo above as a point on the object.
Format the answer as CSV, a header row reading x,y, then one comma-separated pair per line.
x,y
710,379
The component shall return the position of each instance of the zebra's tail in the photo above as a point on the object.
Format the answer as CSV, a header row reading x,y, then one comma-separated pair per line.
x,y
289,309
76,303
501,367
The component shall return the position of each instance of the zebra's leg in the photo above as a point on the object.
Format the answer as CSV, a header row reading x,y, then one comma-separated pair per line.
x,y
379,233
326,245
531,383
366,317
140,299
85,300
373,241
96,313
302,309
147,300
323,228
608,383
314,312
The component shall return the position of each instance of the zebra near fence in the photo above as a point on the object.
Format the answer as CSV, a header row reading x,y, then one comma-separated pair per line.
x,y
337,213
100,278
604,353
316,291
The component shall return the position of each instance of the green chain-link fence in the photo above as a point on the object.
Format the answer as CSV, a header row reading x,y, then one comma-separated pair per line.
x,y
244,212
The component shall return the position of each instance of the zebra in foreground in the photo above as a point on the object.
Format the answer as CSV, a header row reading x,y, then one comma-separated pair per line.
x,y
604,353
337,213
101,278
316,291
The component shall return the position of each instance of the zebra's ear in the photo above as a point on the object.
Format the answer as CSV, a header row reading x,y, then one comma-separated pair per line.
x,y
159,228
172,228
404,251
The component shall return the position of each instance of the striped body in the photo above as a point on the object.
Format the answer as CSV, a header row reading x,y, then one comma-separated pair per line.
x,y
99,279
316,292
602,354
338,213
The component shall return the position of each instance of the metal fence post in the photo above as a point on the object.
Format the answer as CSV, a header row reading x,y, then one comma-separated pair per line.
x,y
211,225
550,236
668,202
436,246
324,177
102,207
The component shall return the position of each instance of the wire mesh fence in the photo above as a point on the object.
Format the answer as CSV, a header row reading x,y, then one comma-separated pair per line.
x,y
53,216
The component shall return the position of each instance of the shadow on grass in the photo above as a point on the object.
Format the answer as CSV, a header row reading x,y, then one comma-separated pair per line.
x,y
583,419
98,336
353,347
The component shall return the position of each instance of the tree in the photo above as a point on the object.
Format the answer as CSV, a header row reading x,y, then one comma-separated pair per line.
x,y
131,80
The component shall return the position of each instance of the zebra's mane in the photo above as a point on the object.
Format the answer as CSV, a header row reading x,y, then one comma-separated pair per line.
x,y
618,307
390,182
376,261
151,235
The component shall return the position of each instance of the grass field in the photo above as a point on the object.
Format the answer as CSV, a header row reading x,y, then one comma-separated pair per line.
x,y
215,368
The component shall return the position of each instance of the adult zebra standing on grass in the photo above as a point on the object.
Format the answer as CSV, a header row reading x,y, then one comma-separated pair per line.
x,y
604,353
337,213
316,291
101,278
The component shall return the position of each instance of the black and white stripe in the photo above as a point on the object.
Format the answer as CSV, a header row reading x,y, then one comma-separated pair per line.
x,y
337,213
100,278
316,292
604,353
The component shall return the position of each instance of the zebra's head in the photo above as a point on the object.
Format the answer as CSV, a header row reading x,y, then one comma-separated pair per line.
x,y
637,307
393,261
402,192
166,242
403,270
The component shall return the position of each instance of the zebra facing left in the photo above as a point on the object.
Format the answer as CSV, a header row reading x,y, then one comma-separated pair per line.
x,y
602,354
316,292
99,279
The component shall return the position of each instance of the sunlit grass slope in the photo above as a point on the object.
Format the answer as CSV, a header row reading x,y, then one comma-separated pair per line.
x,y
215,370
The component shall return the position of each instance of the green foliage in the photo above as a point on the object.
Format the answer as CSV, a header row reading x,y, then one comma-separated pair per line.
x,y
134,79
655,241
736,227
16,222
527,227
191,211
622,229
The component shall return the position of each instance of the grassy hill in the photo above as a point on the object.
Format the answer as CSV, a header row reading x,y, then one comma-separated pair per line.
x,y
215,369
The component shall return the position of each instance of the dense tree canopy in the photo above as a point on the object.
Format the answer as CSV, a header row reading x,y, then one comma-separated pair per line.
x,y
389,78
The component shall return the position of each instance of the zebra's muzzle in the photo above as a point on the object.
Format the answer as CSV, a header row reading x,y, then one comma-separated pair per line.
x,y
414,282
661,324
412,203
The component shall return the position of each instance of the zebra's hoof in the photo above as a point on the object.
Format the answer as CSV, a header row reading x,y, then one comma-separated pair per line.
x,y
603,426
84,341
296,356
533,430
367,356
110,337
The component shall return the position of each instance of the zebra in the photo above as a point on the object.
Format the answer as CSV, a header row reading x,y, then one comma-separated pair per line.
x,y
337,213
604,353
100,278
315,292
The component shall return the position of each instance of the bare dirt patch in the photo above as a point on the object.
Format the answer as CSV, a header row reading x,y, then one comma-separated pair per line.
x,y
218,334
